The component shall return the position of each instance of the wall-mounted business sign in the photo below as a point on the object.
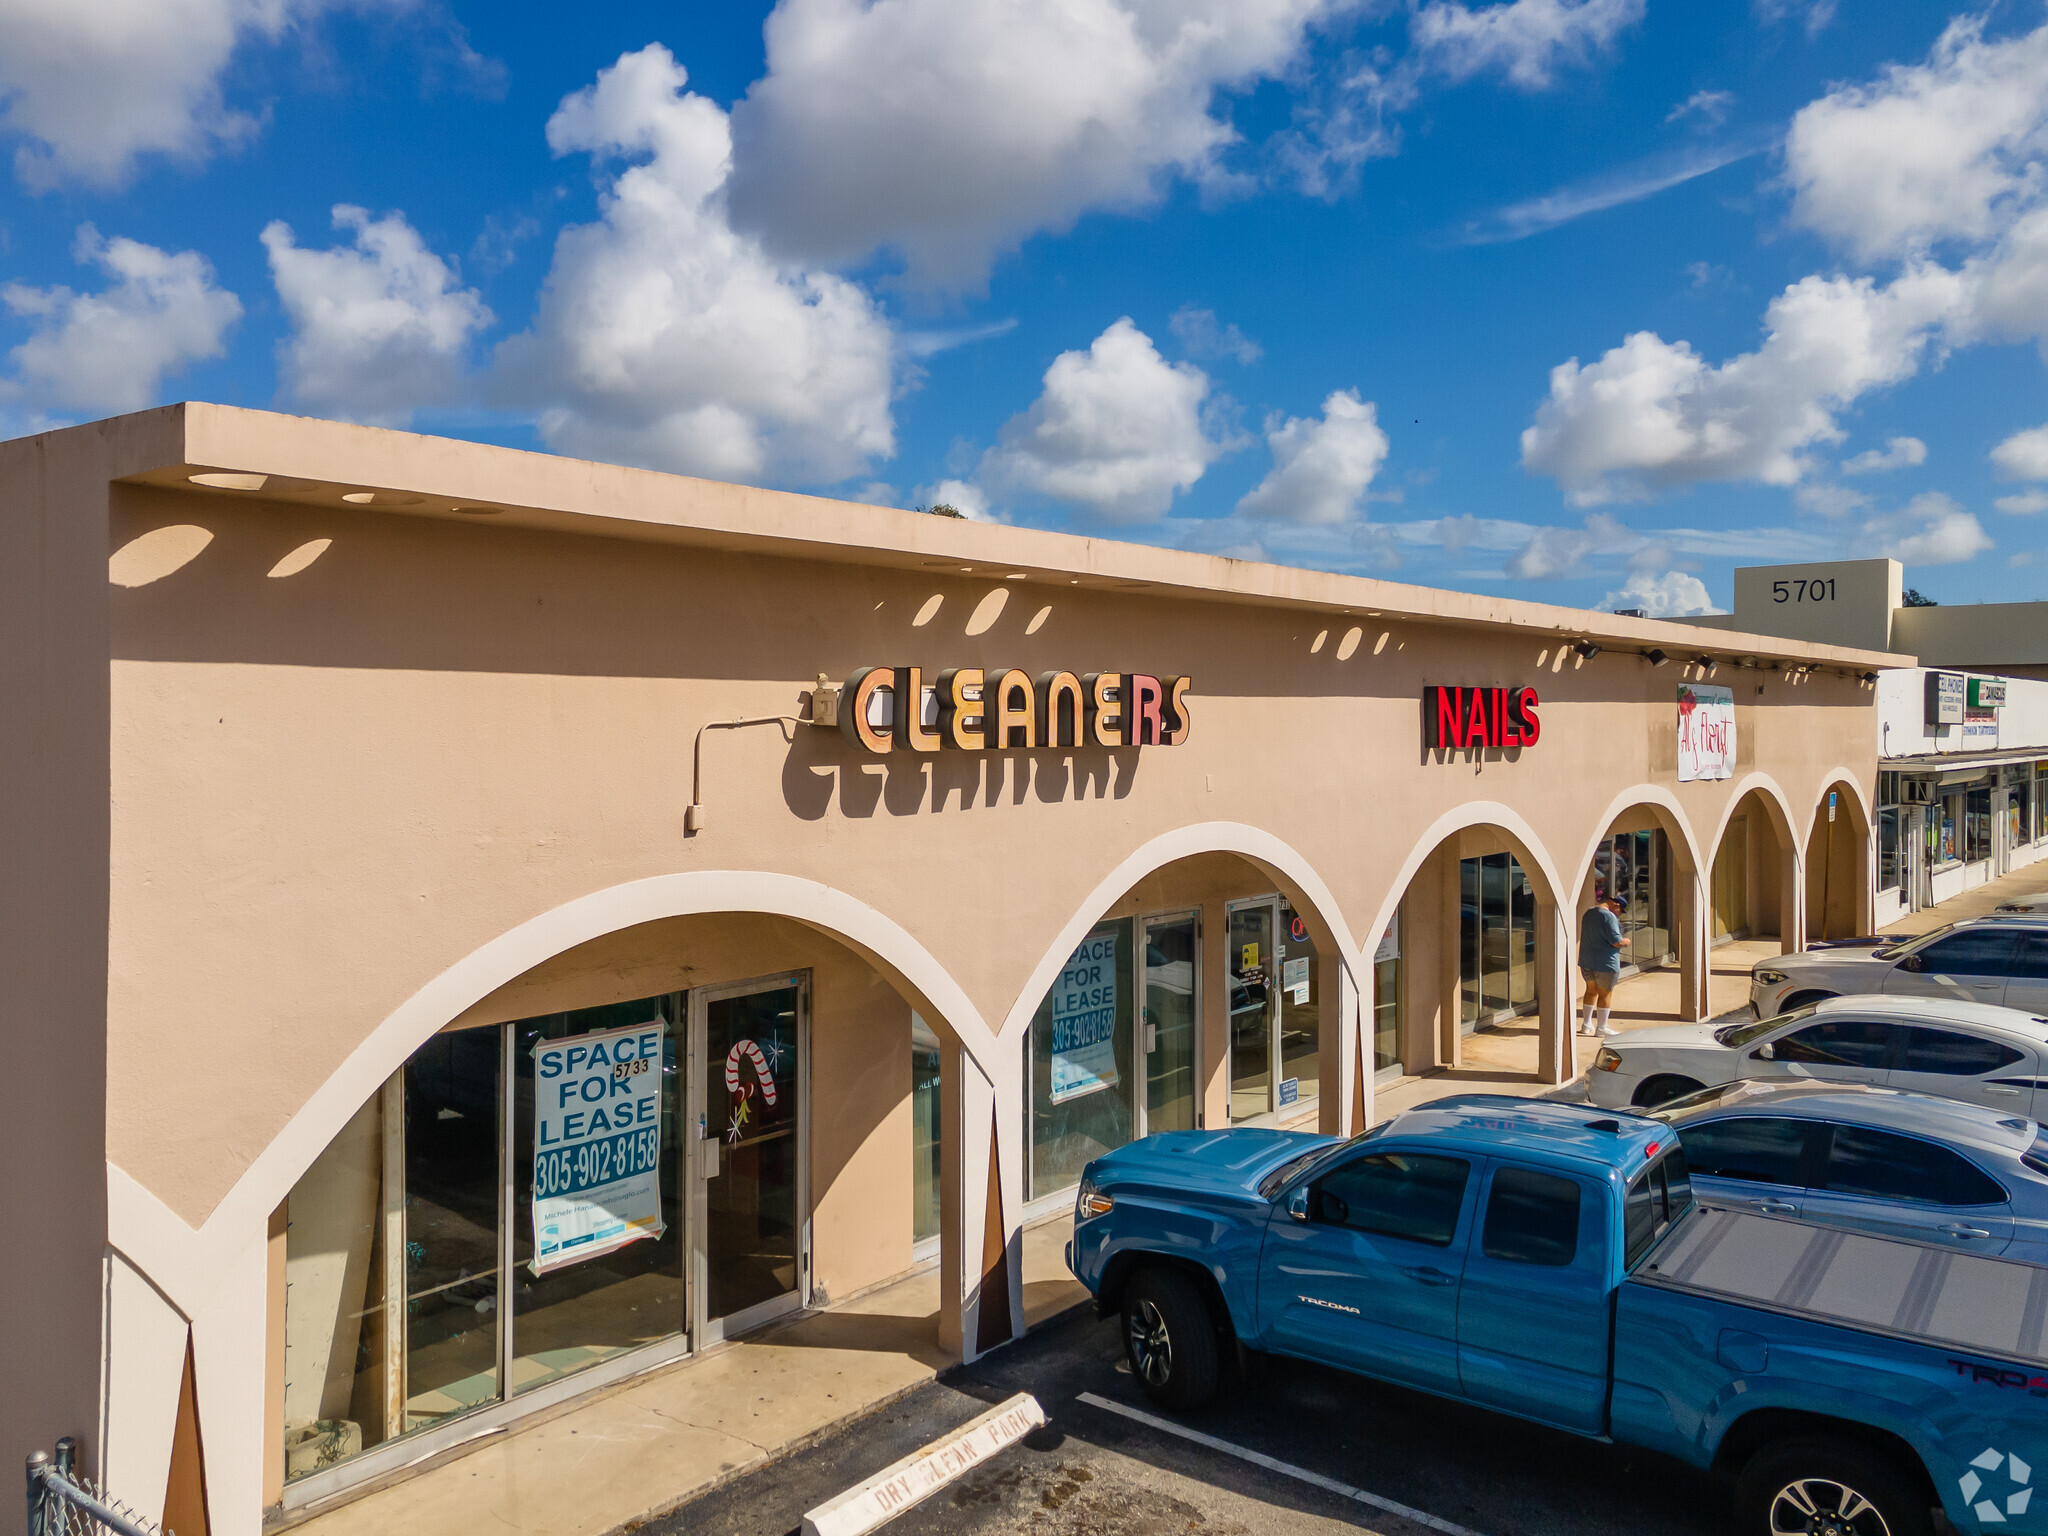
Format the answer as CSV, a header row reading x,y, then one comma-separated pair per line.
x,y
1480,717
992,709
1987,693
1946,698
1706,732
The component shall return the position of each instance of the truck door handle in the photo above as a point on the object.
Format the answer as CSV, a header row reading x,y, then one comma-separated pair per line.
x,y
1777,1207
2012,1092
1429,1276
1958,1229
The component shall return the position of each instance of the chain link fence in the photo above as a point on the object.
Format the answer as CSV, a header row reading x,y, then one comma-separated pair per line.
x,y
64,1502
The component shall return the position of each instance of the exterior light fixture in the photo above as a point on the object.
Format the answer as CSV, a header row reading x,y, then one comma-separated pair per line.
x,y
1705,662
1655,657
1586,649
1868,677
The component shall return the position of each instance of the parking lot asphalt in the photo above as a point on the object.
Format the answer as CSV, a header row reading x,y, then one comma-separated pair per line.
x,y
1351,1454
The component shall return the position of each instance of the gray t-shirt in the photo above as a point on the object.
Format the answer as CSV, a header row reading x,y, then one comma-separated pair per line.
x,y
1599,941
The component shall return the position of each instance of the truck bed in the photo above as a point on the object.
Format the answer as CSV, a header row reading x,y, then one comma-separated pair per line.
x,y
1893,1286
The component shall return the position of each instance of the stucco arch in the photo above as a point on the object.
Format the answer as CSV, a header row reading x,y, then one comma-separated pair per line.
x,y
189,1262
1776,803
1293,875
1787,893
1521,837
1840,893
1670,816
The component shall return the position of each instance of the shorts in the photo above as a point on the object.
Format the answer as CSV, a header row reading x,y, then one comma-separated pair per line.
x,y
1604,980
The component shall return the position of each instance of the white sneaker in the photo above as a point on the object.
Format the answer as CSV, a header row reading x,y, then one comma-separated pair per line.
x,y
1604,1029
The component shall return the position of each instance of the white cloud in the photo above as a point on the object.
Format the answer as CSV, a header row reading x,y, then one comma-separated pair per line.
x,y
1897,453
1117,430
2024,504
379,329
1813,15
1553,551
667,339
1611,189
1321,467
2024,455
1202,337
109,351
963,496
949,131
1651,413
1829,500
1672,595
1528,41
1929,152
1929,530
1710,107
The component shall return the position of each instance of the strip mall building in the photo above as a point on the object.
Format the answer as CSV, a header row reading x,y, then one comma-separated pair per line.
x,y
480,925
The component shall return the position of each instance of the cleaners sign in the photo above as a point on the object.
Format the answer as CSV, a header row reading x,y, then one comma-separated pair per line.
x,y
1084,1020
1706,732
597,1143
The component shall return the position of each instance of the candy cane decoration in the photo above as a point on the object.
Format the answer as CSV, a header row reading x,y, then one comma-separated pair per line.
x,y
752,1053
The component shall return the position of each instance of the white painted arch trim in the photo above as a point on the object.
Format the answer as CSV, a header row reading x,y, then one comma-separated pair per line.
x,y
1848,781
1772,794
1474,813
1248,842
189,1266
1643,794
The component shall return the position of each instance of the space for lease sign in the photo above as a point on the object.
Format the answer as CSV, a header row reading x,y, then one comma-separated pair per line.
x,y
1084,1019
1706,732
596,1143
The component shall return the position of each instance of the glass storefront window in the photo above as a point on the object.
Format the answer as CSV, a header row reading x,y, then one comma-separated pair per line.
x,y
1172,978
1081,1069
1252,981
1888,861
1497,939
1386,999
1977,826
924,1130
1301,1018
751,1219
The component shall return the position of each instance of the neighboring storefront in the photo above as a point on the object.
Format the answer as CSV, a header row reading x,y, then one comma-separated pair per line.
x,y
513,924
1963,783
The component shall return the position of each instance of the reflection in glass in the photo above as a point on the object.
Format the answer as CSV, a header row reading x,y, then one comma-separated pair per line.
x,y
1252,984
1386,1013
1301,1029
750,1234
1493,976
1171,966
1094,1111
1497,953
925,1061
1469,934
451,1225
573,1317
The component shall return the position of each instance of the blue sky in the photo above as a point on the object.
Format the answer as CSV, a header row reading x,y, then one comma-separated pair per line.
x,y
1578,300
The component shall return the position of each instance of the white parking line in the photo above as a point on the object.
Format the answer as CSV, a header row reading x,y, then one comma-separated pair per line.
x,y
1285,1469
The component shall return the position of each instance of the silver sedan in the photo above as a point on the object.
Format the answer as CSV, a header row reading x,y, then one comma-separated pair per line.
x,y
1873,1160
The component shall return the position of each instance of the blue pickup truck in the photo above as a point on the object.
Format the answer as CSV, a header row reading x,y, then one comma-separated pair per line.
x,y
1549,1261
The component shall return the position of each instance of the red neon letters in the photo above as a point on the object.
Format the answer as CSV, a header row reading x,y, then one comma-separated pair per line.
x,y
1480,717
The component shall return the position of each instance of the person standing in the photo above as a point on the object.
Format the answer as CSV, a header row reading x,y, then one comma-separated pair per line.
x,y
1601,942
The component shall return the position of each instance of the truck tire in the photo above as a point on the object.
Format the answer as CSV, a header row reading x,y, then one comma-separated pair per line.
x,y
1663,1088
1827,1485
1170,1339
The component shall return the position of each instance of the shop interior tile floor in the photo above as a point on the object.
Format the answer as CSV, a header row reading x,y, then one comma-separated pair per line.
x,y
640,1448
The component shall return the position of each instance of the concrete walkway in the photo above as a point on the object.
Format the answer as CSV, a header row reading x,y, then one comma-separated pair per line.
x,y
2029,881
638,1449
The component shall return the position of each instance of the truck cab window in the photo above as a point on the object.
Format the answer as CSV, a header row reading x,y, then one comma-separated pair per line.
x,y
1657,1196
1531,1218
1407,1195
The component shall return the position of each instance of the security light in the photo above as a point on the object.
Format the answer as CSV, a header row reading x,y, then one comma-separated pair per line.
x,y
1868,677
1655,657
1706,663
1586,648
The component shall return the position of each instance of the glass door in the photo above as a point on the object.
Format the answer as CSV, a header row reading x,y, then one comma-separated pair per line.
x,y
1173,947
747,1048
1253,993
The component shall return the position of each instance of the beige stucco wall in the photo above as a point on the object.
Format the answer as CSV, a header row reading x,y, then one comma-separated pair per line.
x,y
436,731
278,810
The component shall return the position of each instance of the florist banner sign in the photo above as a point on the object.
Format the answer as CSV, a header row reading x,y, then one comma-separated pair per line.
x,y
1706,732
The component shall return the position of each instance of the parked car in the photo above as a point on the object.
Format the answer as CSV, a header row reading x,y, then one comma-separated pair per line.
x,y
1954,1050
1872,1160
1541,1260
2001,960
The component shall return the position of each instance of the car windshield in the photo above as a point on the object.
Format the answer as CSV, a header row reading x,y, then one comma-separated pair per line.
x,y
1288,1171
1739,1035
1915,945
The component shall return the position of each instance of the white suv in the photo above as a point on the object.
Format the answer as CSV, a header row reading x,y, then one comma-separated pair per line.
x,y
2001,960
1954,1050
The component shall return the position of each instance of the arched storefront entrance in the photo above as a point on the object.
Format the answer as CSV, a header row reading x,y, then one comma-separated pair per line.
x,y
1755,889
1838,887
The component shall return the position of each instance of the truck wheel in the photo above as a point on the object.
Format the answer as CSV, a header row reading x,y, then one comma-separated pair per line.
x,y
1170,1339
1662,1089
1826,1488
